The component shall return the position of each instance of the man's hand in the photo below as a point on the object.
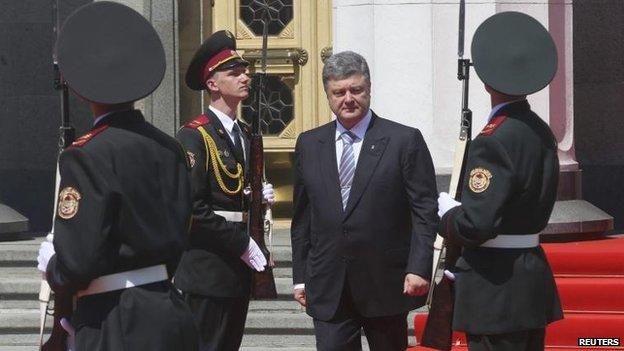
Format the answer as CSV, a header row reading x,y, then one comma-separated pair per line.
x,y
268,194
46,251
254,257
445,203
300,296
415,285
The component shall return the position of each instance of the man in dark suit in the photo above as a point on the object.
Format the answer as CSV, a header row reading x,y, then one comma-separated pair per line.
x,y
215,273
124,203
364,218
505,294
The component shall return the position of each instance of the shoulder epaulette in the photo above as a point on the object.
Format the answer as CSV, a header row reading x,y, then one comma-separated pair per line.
x,y
493,125
85,138
198,122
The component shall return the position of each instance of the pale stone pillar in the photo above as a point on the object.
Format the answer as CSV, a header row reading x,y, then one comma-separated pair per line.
x,y
162,107
411,47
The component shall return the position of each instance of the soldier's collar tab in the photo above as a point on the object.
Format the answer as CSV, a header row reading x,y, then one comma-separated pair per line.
x,y
92,133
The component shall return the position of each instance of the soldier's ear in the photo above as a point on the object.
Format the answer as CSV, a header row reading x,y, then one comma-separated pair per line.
x,y
211,85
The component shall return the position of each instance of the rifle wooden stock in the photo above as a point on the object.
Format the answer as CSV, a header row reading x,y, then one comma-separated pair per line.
x,y
438,330
263,283
63,308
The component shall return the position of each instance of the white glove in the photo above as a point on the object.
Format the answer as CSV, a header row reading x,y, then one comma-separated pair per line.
x,y
46,251
449,275
268,194
445,203
254,257
71,332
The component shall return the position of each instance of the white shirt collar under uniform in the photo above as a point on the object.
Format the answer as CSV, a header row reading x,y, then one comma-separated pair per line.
x,y
359,130
101,117
498,107
228,124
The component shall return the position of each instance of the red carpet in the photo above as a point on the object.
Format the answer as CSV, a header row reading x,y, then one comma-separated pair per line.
x,y
593,257
590,280
548,348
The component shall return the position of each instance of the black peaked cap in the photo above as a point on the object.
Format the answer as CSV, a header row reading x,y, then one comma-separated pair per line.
x,y
212,46
514,54
110,54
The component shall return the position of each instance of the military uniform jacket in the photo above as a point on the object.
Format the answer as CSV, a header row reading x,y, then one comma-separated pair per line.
x,y
124,204
212,266
509,188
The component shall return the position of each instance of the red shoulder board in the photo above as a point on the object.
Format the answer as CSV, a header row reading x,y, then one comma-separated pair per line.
x,y
85,138
494,123
198,122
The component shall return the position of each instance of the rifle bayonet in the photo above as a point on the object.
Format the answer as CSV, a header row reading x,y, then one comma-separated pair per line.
x,y
438,328
263,283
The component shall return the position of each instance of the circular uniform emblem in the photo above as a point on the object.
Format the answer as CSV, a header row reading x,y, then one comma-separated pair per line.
x,y
68,201
479,180
191,158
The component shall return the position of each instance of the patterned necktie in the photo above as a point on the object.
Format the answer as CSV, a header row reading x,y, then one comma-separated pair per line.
x,y
347,166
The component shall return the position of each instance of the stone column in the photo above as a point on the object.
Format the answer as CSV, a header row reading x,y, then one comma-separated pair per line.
x,y
411,47
162,107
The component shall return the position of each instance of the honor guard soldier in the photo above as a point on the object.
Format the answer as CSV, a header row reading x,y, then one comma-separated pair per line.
x,y
124,204
215,273
505,294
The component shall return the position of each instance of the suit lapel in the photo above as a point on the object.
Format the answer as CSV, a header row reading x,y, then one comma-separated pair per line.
x,y
370,154
218,126
329,166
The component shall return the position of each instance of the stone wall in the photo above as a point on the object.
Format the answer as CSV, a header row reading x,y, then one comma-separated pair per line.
x,y
29,107
599,102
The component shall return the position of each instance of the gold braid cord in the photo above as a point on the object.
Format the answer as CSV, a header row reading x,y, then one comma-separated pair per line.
x,y
218,166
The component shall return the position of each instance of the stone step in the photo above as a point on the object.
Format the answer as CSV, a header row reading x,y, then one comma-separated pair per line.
x,y
24,282
20,321
257,306
251,342
19,253
23,253
289,322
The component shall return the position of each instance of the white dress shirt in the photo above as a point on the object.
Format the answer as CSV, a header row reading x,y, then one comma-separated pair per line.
x,y
228,124
359,130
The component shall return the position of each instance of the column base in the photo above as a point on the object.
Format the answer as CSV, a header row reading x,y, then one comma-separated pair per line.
x,y
11,222
574,219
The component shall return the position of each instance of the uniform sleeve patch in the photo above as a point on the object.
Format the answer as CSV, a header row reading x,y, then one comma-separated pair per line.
x,y
85,138
480,179
198,122
69,199
494,123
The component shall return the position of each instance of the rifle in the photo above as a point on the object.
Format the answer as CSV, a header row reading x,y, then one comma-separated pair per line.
x,y
63,303
263,283
438,330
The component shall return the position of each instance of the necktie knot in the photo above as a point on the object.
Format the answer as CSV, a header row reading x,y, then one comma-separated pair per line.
x,y
348,137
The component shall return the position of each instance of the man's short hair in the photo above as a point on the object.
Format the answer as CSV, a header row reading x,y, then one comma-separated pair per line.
x,y
343,65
